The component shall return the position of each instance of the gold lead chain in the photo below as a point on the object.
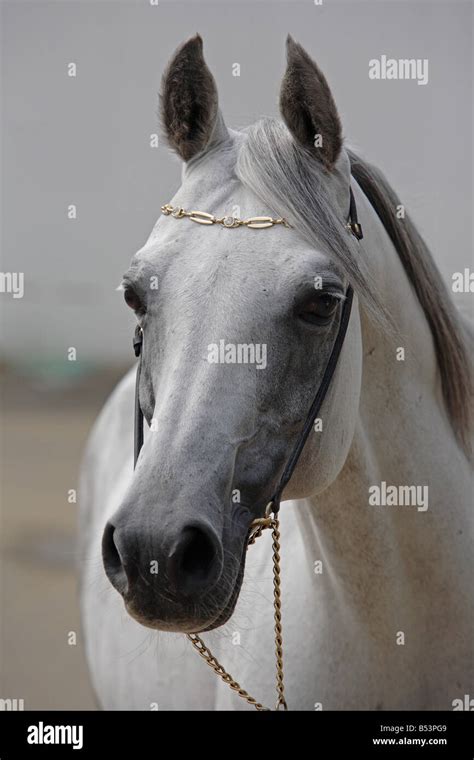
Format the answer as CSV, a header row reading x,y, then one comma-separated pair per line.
x,y
257,528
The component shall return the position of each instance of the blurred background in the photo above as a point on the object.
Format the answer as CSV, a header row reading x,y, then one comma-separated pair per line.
x,y
88,141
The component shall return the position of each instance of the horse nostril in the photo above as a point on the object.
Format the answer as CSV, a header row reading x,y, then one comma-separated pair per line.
x,y
197,554
195,562
112,560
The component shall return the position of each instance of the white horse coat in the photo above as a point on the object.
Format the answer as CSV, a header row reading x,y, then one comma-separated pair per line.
x,y
378,611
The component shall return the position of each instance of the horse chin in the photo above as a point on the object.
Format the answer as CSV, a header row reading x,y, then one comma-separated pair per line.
x,y
157,624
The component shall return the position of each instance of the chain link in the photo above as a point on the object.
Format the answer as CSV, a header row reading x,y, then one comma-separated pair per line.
x,y
256,529
219,670
202,217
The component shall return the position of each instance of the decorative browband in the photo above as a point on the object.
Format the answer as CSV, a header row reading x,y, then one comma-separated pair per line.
x,y
253,222
201,217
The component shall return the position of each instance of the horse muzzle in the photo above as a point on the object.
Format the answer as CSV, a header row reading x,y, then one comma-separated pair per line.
x,y
177,585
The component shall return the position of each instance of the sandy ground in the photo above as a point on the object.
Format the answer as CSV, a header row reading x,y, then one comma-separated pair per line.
x,y
43,433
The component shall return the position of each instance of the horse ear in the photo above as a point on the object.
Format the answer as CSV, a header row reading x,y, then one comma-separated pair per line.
x,y
308,108
188,102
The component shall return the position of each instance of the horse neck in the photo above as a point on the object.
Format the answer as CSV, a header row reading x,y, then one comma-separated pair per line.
x,y
376,555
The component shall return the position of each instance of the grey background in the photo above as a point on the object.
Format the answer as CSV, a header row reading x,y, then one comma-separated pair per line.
x,y
86,140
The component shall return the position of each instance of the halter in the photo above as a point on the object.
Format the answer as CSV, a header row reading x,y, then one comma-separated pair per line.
x,y
273,506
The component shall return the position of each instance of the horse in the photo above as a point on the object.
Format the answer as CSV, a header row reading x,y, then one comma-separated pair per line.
x,y
376,593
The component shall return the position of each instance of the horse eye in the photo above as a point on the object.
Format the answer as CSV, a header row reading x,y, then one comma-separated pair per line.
x,y
320,309
132,299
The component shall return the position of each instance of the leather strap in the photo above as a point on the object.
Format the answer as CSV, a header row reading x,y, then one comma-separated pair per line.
x,y
138,419
356,229
317,402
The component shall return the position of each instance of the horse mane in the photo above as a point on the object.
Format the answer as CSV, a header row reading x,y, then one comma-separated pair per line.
x,y
289,179
443,318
